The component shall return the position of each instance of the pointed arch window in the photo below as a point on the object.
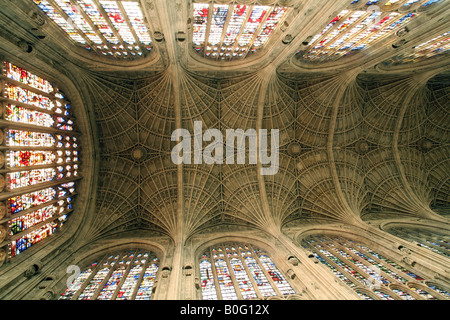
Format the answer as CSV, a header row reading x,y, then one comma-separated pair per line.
x,y
434,241
437,46
371,274
109,28
235,31
126,275
39,159
235,271
358,28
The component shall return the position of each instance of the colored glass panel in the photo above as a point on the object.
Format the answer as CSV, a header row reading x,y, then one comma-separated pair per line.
x,y
207,281
146,287
109,28
76,285
30,200
258,275
21,244
225,282
24,222
23,95
245,286
19,74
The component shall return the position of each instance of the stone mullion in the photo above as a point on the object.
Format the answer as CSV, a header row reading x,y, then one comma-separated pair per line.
x,y
20,191
418,4
4,79
340,269
350,263
250,276
88,280
124,276
92,25
111,26
258,30
133,32
331,29
225,27
266,273
445,250
348,275
30,127
233,277
389,22
388,266
238,36
32,209
141,277
421,238
381,3
41,224
67,18
353,25
364,262
208,27
216,279
368,264
27,148
107,277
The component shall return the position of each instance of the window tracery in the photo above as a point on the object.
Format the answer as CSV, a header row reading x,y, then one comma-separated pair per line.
x,y
127,275
362,268
437,46
235,271
229,32
435,241
39,174
357,28
110,28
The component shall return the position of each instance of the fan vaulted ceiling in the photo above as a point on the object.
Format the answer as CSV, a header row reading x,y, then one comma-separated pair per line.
x,y
362,109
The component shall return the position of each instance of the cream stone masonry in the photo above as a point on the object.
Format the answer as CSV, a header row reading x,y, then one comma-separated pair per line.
x,y
364,145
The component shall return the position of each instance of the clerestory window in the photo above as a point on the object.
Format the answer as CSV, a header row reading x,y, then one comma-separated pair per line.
x,y
110,28
236,271
39,159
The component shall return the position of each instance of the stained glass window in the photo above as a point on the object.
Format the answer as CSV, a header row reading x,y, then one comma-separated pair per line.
x,y
79,281
207,280
131,280
145,290
437,242
354,30
36,170
437,46
110,28
127,275
359,266
240,271
230,32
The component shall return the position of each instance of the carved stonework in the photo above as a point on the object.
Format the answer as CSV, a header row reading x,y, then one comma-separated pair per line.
x,y
197,283
293,260
408,261
49,295
31,271
291,274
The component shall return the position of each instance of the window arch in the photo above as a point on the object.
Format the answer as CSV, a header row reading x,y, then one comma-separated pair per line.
x,y
434,241
358,27
437,46
39,159
370,274
226,32
125,275
235,271
110,28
